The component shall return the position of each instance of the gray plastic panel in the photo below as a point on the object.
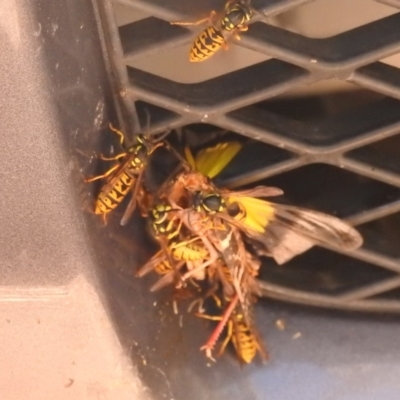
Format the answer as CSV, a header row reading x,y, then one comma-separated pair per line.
x,y
75,323
58,341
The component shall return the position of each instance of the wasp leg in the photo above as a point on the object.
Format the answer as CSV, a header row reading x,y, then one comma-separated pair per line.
x,y
167,279
209,317
200,301
185,242
227,339
225,46
198,22
213,256
119,133
209,346
108,173
116,158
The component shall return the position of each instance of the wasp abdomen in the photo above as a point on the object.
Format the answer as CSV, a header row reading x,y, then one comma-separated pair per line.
x,y
164,267
243,341
189,252
110,199
206,44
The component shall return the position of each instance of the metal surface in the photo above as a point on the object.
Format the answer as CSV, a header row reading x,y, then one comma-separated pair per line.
x,y
336,152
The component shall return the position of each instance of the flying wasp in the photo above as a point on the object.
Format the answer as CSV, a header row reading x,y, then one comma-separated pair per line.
x,y
230,22
124,176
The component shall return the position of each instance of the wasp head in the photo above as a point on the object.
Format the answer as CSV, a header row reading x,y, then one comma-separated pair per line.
x,y
210,203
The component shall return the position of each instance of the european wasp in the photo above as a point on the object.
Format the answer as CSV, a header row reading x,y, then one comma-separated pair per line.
x,y
241,332
124,176
230,22
178,246
277,230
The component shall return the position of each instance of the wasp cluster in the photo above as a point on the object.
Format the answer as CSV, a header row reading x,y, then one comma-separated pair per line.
x,y
213,235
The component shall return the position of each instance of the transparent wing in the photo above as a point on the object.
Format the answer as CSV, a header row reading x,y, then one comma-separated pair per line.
x,y
285,231
320,227
258,191
151,264
133,201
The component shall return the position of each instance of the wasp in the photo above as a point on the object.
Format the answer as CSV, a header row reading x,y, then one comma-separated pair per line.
x,y
124,176
277,230
235,271
243,334
178,247
163,227
230,22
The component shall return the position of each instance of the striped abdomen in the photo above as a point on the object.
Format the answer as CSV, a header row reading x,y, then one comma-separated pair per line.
x,y
164,267
188,251
206,44
243,339
115,190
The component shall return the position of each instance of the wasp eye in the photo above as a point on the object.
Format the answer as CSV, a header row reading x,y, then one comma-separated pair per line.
x,y
213,203
234,210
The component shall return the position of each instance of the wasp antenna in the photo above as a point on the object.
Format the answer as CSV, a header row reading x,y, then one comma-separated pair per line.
x,y
147,120
163,136
177,154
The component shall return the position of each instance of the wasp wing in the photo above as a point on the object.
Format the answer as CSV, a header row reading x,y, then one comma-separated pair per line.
x,y
286,231
151,264
115,176
212,160
280,243
130,208
320,227
258,191
167,279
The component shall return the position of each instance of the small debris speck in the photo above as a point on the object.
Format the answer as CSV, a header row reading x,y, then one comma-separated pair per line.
x,y
69,383
297,335
280,324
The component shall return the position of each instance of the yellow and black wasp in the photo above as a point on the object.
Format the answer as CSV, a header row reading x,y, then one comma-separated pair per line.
x,y
124,176
177,245
243,334
230,22
277,230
